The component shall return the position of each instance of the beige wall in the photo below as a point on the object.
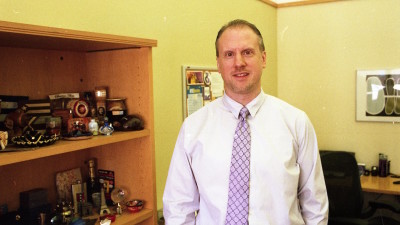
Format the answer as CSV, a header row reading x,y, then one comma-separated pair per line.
x,y
315,49
320,47
185,31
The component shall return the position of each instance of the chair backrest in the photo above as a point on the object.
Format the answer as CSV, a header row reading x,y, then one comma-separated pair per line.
x,y
342,183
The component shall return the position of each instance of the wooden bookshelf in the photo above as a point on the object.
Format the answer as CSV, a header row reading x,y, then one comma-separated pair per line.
x,y
36,61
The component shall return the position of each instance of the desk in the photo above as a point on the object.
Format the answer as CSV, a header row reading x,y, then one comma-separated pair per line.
x,y
382,185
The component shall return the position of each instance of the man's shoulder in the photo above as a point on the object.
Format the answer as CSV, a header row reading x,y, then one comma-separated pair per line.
x,y
277,103
280,108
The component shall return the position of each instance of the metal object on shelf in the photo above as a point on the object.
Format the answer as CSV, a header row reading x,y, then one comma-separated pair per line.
x,y
119,195
103,208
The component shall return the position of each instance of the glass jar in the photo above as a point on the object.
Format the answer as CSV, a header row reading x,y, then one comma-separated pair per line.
x,y
94,127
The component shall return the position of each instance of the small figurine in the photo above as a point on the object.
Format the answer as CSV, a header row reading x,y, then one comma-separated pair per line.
x,y
107,128
104,210
129,122
3,139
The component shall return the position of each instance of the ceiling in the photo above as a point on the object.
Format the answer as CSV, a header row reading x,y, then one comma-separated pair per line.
x,y
285,1
288,3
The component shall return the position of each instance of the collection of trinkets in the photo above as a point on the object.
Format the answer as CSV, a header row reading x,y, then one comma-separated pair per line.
x,y
80,199
85,116
72,116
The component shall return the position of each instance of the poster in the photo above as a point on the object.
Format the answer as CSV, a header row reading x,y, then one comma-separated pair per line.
x,y
378,95
194,98
201,85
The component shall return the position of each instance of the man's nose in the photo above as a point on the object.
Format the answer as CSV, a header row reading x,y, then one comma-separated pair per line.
x,y
239,60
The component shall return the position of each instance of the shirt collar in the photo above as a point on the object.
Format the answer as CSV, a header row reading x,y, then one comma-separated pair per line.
x,y
235,107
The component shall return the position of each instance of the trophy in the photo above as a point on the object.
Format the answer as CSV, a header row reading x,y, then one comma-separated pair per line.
x,y
118,195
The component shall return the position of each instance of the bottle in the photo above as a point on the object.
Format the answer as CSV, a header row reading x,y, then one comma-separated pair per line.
x,y
107,128
94,127
382,165
92,183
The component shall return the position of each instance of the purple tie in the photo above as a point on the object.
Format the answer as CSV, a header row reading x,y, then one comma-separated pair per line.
x,y
238,197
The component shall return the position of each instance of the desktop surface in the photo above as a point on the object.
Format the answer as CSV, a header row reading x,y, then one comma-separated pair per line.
x,y
382,185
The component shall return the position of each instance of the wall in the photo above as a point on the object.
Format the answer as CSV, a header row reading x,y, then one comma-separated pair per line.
x,y
185,31
320,47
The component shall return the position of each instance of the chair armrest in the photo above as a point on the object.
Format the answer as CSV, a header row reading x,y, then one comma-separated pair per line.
x,y
346,221
381,204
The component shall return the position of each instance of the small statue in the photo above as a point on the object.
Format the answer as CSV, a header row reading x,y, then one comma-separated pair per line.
x,y
104,210
16,123
107,128
3,139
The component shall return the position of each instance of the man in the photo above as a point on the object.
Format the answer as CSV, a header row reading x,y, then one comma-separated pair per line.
x,y
286,183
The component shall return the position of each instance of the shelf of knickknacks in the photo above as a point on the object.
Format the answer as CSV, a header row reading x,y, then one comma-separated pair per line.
x,y
126,217
64,146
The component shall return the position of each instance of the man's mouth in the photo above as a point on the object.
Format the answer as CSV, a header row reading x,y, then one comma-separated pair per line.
x,y
241,74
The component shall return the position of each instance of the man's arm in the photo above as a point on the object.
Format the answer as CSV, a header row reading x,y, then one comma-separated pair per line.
x,y
312,192
181,197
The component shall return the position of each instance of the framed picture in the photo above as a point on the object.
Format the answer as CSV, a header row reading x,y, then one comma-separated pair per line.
x,y
378,95
194,77
201,85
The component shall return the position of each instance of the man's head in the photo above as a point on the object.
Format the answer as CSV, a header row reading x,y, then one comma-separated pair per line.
x,y
240,23
241,59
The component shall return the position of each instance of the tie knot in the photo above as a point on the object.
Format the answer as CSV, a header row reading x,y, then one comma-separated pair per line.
x,y
243,113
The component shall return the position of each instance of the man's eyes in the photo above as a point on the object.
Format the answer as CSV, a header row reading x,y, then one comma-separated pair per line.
x,y
229,54
247,53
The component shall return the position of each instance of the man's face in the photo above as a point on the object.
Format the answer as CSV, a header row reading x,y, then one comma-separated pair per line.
x,y
240,63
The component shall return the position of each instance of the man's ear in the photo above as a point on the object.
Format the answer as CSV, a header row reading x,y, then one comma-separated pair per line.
x,y
264,56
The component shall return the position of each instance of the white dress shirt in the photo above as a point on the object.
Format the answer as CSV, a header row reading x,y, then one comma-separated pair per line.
x,y
286,180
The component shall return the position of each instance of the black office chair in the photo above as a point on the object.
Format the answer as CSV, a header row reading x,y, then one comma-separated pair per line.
x,y
346,202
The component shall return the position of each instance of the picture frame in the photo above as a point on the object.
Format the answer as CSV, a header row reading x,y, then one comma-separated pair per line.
x,y
378,95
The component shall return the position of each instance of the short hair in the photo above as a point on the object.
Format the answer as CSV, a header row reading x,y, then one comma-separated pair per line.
x,y
240,23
